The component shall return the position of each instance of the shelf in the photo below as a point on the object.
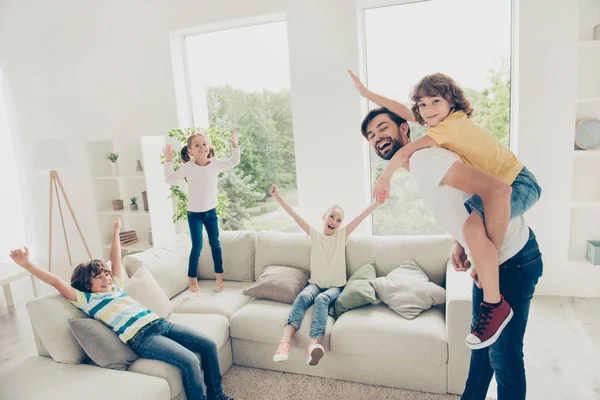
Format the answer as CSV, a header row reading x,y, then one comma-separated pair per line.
x,y
589,44
124,212
587,153
120,177
586,205
139,246
587,100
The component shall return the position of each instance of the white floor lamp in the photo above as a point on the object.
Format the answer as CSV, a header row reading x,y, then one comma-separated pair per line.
x,y
49,155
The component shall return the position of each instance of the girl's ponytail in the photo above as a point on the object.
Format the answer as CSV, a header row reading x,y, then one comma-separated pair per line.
x,y
185,156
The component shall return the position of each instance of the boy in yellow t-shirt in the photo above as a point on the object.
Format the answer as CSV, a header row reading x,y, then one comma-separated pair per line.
x,y
509,189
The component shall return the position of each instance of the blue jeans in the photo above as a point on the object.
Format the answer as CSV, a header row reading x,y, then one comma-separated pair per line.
x,y
322,298
175,345
211,223
518,277
525,193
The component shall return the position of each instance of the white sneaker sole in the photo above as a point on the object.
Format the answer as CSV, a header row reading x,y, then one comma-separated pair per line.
x,y
492,340
282,358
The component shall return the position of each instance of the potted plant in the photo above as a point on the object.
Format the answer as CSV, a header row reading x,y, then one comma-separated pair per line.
x,y
113,157
133,205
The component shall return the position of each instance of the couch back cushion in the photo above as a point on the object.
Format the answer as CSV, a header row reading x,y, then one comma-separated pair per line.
x,y
238,249
50,320
431,252
168,264
278,248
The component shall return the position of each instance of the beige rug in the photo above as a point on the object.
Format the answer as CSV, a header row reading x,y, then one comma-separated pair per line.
x,y
244,383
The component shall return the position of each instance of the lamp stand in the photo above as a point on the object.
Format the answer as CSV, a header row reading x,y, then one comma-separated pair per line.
x,y
56,183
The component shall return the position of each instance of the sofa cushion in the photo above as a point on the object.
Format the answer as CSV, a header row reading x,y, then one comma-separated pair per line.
x,y
408,291
376,331
41,378
431,252
238,256
263,321
143,288
101,344
50,317
168,264
277,248
209,301
215,327
358,291
278,283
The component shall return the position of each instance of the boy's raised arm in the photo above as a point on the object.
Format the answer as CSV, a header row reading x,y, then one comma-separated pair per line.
x,y
301,222
21,258
115,250
356,221
392,105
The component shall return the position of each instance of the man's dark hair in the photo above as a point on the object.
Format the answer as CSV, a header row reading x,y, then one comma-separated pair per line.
x,y
398,120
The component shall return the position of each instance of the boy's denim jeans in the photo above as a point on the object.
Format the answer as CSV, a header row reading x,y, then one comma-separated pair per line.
x,y
518,277
322,298
211,222
175,345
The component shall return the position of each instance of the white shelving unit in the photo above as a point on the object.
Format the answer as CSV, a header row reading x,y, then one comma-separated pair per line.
x,y
128,183
585,193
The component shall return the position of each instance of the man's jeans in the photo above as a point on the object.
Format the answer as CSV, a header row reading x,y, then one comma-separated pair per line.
x,y
518,277
322,299
210,220
175,345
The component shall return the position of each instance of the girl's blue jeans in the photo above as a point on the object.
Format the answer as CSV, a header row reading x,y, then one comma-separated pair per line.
x,y
211,222
322,298
176,345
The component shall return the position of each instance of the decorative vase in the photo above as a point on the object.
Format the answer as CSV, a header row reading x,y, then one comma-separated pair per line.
x,y
134,207
145,200
114,168
150,241
117,204
139,167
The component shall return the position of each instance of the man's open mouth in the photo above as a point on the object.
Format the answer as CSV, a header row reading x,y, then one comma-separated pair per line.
x,y
384,144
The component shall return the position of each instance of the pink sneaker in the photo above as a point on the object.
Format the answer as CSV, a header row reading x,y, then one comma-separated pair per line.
x,y
491,322
283,352
315,353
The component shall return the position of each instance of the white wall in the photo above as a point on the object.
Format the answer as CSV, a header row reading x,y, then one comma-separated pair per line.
x,y
83,69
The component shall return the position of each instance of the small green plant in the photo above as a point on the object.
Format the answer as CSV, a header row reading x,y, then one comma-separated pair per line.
x,y
133,200
112,156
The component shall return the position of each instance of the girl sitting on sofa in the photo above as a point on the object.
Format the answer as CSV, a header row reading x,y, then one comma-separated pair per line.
x,y
98,292
327,276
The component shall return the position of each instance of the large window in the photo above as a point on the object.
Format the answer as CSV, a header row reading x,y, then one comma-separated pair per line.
x,y
470,40
239,78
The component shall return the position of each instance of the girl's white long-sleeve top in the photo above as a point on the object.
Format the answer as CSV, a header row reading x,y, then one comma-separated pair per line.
x,y
202,181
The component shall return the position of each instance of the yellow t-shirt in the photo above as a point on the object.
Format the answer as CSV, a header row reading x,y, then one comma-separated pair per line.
x,y
476,146
328,258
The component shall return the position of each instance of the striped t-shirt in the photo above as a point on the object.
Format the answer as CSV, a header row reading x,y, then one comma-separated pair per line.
x,y
115,309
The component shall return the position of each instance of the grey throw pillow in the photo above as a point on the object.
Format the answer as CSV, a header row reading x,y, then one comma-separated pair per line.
x,y
101,344
278,283
408,291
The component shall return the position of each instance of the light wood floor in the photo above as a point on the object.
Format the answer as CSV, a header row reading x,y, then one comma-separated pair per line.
x,y
562,344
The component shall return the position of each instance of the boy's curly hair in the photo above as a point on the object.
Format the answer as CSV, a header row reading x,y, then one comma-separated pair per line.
x,y
81,279
442,85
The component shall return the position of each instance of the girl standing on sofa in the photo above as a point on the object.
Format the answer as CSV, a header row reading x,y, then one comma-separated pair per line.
x,y
98,291
327,276
201,170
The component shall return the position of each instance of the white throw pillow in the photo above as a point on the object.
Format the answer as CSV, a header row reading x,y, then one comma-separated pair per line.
x,y
143,288
408,291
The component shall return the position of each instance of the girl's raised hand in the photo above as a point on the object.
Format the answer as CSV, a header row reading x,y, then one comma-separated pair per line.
x,y
234,138
20,256
381,190
362,90
274,191
168,153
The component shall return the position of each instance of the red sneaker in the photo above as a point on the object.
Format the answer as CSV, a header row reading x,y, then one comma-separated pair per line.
x,y
491,322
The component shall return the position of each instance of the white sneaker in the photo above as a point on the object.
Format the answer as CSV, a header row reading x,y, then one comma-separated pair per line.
x,y
283,352
315,353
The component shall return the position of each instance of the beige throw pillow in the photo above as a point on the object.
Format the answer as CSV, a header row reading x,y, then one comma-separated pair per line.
x,y
278,283
143,288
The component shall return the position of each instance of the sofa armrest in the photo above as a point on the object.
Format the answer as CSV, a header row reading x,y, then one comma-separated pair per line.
x,y
459,286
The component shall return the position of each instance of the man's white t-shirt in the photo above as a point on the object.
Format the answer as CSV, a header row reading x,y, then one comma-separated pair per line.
x,y
428,167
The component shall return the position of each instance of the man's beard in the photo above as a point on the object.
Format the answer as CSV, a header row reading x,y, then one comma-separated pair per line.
x,y
389,151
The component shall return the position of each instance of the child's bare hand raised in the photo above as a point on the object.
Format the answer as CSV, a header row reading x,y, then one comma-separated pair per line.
x,y
381,190
168,153
118,225
234,138
274,191
362,90
21,257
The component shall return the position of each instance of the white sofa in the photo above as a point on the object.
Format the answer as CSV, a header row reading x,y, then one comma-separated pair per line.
x,y
371,344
